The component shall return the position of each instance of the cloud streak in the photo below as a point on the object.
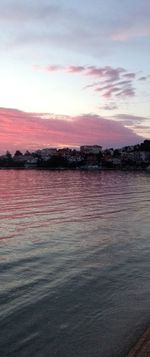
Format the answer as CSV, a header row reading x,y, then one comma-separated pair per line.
x,y
112,82
131,120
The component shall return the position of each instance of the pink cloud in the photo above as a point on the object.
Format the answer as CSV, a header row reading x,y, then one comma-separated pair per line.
x,y
53,68
106,72
75,69
126,92
110,80
119,89
21,130
124,35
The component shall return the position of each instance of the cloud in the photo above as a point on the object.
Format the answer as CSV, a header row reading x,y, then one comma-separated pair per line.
x,y
92,71
130,116
22,130
143,129
134,121
125,34
130,75
98,30
53,68
112,82
75,69
144,78
21,11
110,106
126,92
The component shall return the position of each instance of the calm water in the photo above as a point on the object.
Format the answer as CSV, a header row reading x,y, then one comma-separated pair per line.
x,y
75,262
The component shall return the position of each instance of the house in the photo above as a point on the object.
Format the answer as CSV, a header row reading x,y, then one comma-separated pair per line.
x,y
91,149
46,154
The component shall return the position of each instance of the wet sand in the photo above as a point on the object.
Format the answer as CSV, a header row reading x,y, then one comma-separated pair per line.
x,y
142,347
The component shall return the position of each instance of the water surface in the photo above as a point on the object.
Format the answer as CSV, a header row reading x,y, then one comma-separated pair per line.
x,y
74,265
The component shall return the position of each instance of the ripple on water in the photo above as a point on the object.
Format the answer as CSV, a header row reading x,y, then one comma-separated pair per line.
x,y
74,262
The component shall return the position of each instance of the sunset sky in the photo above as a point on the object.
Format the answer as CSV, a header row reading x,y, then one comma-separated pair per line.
x,y
74,72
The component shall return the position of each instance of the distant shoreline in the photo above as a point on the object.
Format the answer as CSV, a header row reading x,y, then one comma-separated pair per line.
x,y
89,157
90,169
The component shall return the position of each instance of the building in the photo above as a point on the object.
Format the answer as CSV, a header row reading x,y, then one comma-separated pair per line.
x,y
91,149
46,154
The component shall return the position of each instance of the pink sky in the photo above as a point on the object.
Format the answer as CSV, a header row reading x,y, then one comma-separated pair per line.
x,y
22,130
74,58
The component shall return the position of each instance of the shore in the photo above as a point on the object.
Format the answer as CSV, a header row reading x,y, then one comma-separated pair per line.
x,y
142,347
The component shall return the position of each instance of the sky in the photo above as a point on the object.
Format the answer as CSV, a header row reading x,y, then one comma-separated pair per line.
x,y
73,73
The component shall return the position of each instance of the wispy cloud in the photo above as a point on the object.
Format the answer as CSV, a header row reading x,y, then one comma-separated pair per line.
x,y
110,106
131,120
112,82
144,78
130,75
109,72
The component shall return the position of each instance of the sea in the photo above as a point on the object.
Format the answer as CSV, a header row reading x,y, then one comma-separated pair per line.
x,y
74,262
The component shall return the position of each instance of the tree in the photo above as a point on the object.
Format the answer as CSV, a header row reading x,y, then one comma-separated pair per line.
x,y
18,153
8,155
27,153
